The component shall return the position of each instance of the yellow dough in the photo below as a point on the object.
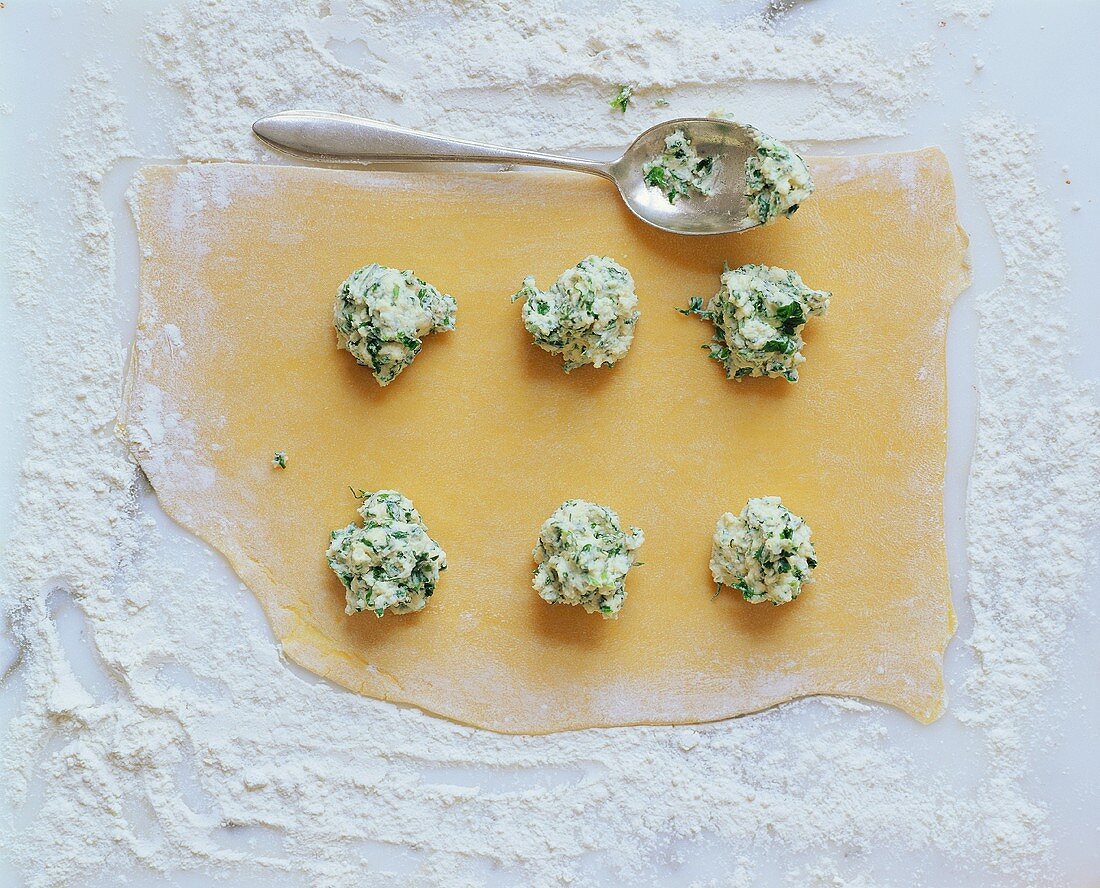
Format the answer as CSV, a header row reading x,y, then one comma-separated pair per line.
x,y
236,358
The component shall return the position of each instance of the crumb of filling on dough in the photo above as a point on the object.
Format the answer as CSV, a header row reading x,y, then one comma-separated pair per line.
x,y
382,316
583,556
679,170
587,316
777,180
765,553
388,562
278,461
758,315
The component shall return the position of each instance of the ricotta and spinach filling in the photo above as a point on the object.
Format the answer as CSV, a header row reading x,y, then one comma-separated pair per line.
x,y
382,316
388,562
776,180
758,315
679,171
583,556
587,316
764,553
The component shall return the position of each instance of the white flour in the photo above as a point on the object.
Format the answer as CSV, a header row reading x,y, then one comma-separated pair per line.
x,y
195,735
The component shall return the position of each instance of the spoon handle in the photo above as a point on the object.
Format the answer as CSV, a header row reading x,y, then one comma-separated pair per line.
x,y
342,138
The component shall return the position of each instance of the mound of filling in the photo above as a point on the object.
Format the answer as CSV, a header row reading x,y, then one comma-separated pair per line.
x,y
758,316
679,170
764,553
587,316
389,562
583,556
776,180
382,316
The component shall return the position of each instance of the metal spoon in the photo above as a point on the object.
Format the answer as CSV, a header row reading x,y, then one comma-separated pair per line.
x,y
340,138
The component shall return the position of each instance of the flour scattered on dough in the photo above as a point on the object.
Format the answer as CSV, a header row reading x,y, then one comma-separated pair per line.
x,y
196,732
167,441
174,337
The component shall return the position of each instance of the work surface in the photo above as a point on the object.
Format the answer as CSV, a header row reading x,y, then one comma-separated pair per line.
x,y
977,63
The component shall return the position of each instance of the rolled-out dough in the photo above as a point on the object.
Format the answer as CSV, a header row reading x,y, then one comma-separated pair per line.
x,y
236,357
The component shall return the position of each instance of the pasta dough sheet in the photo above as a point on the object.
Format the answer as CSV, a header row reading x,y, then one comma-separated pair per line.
x,y
236,357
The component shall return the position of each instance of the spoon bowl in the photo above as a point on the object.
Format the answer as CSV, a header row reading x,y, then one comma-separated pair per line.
x,y
724,210
340,138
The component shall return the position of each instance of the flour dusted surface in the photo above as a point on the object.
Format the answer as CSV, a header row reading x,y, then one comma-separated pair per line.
x,y
179,749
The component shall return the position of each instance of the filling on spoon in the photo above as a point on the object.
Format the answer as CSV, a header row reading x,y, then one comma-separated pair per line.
x,y
679,170
776,179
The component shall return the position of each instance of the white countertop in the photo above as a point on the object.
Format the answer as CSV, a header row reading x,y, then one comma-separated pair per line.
x,y
1038,61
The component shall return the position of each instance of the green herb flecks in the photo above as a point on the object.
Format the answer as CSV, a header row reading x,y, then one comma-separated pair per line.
x,y
758,316
622,98
389,562
679,171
